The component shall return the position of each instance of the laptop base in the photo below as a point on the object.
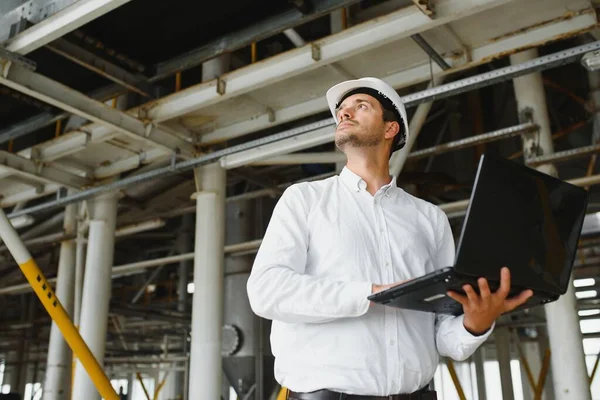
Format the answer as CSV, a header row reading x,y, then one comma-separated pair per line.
x,y
428,293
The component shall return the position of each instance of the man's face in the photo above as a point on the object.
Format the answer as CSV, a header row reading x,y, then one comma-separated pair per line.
x,y
360,122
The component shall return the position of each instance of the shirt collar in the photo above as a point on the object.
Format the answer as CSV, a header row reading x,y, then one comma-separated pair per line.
x,y
358,184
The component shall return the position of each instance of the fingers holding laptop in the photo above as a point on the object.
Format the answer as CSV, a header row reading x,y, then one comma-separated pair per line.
x,y
481,310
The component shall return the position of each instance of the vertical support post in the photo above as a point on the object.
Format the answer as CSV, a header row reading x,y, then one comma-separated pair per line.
x,y
479,358
416,123
207,311
184,245
80,252
503,354
57,383
569,370
96,287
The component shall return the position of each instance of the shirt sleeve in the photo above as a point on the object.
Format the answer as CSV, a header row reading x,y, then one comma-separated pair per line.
x,y
278,287
452,339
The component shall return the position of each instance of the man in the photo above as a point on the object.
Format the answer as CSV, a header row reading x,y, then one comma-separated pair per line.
x,y
332,243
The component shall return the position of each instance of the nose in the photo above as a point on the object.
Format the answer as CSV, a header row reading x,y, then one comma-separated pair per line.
x,y
344,114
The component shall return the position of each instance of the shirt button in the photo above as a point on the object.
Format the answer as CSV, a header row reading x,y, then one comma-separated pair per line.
x,y
392,342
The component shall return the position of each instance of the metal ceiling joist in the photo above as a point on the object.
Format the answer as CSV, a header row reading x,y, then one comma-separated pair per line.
x,y
135,83
29,194
63,97
42,173
420,73
61,23
236,40
449,89
347,43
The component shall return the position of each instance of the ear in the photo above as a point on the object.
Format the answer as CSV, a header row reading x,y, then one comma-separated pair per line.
x,y
392,129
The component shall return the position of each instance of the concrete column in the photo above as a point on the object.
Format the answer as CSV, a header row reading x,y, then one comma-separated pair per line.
x,y
479,358
57,384
185,244
503,354
569,371
11,370
96,288
207,311
80,251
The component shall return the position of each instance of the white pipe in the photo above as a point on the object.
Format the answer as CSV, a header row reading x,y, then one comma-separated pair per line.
x,y
137,267
502,336
479,358
57,383
79,265
416,123
96,288
207,309
294,37
569,369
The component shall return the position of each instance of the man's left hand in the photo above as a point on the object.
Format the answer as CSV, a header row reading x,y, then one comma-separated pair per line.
x,y
482,310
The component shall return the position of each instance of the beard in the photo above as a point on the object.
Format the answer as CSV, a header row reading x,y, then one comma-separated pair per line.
x,y
353,138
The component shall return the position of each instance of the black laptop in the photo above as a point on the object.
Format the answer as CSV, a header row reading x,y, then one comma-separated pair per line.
x,y
517,217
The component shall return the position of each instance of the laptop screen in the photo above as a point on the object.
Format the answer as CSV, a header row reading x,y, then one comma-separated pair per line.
x,y
523,219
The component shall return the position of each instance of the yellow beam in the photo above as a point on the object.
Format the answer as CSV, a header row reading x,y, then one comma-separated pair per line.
x,y
44,291
454,376
139,377
543,374
282,395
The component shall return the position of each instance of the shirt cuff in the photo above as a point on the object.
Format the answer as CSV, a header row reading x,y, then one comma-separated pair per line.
x,y
358,292
465,336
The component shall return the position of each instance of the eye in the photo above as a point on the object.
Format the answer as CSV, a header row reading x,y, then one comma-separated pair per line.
x,y
362,106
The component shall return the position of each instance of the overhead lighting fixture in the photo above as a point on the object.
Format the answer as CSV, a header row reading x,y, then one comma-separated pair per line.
x,y
586,294
584,282
591,60
191,287
588,313
22,221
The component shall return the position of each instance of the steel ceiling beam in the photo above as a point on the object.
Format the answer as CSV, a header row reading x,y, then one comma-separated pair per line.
x,y
478,55
38,86
38,172
244,37
133,82
352,41
446,90
61,23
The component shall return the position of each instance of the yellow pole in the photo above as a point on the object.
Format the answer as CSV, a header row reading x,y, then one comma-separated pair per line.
x,y
160,385
543,374
44,291
178,81
454,376
595,368
282,395
253,52
139,377
58,129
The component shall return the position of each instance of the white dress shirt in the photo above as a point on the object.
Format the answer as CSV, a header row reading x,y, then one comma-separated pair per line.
x,y
326,244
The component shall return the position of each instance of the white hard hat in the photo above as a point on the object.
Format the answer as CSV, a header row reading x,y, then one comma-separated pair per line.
x,y
380,90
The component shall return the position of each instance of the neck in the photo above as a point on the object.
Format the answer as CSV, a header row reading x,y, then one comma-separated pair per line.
x,y
373,168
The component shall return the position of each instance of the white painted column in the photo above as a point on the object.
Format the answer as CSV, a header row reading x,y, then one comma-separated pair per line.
x,y
207,304
416,123
57,383
479,359
80,251
569,371
503,354
96,288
